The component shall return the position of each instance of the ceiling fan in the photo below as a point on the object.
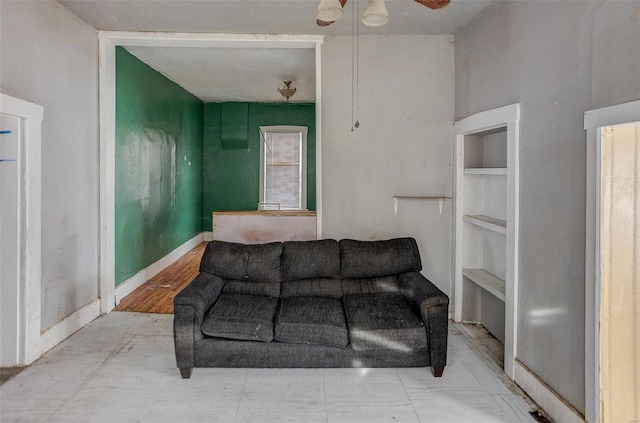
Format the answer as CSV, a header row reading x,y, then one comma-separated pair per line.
x,y
376,14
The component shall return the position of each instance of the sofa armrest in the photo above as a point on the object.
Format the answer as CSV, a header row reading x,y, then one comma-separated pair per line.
x,y
433,305
200,294
421,291
189,308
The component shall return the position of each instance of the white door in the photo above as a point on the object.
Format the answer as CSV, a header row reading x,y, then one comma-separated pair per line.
x,y
9,240
620,268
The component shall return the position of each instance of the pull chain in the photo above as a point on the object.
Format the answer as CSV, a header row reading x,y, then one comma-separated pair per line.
x,y
355,62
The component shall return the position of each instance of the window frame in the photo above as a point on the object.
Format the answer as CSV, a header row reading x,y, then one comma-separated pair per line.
x,y
285,129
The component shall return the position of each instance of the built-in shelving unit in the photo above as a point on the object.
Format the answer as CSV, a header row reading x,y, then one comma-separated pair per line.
x,y
486,280
486,221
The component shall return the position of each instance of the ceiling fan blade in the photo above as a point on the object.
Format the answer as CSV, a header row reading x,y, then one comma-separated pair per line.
x,y
325,23
434,4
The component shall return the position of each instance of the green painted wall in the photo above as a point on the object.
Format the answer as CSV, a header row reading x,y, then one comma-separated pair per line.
x,y
231,176
158,192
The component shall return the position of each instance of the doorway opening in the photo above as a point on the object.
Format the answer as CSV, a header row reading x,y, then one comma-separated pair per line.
x,y
108,41
619,292
612,329
20,231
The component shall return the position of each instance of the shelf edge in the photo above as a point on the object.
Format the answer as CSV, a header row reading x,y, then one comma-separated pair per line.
x,y
496,225
482,280
486,171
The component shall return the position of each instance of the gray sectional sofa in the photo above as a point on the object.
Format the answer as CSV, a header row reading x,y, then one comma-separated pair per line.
x,y
311,304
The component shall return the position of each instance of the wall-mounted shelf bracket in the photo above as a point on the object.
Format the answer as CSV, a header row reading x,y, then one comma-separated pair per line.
x,y
440,199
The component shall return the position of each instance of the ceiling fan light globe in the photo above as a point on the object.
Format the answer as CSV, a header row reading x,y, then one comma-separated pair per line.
x,y
376,14
329,10
375,20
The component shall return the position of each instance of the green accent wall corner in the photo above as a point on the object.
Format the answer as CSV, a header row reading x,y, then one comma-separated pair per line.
x,y
234,133
158,175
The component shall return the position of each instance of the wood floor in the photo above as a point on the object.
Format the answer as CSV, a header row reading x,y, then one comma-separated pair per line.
x,y
156,295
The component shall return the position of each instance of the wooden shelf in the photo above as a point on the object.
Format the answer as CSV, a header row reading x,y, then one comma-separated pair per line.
x,y
487,281
486,171
487,222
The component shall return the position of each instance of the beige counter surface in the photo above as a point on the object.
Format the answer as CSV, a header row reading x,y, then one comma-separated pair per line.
x,y
251,227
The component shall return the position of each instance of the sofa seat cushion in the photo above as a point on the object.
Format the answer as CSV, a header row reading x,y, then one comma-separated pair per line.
x,y
311,320
383,321
245,317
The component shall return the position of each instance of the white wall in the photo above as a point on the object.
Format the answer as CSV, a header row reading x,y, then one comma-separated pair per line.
x,y
558,59
403,145
50,57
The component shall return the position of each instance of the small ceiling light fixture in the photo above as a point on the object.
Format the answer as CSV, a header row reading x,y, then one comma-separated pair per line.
x,y
287,91
376,14
329,10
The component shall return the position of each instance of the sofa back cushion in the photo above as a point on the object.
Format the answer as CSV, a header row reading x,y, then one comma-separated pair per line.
x,y
375,285
370,259
310,260
318,287
267,289
243,262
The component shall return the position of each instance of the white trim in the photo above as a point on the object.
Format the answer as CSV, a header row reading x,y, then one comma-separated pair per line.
x,y
134,282
107,85
319,139
285,129
108,40
66,327
175,39
509,117
593,121
20,108
545,396
207,236
30,238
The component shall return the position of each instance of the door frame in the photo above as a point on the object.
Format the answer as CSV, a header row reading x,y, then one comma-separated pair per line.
x,y
29,305
108,41
594,120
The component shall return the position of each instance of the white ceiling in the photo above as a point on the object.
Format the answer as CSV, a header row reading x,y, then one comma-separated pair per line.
x,y
235,74
216,74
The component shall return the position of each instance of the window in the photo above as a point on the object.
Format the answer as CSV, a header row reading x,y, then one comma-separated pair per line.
x,y
283,167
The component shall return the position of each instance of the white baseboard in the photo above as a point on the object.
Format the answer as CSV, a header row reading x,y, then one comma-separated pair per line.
x,y
548,399
208,236
68,326
134,282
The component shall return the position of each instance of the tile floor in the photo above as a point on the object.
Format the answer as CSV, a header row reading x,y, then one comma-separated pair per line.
x,y
121,368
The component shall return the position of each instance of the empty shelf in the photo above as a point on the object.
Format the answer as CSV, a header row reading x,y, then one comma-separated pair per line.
x,y
486,171
487,222
487,281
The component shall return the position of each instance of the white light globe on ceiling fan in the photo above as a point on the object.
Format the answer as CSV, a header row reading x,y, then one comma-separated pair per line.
x,y
376,14
329,10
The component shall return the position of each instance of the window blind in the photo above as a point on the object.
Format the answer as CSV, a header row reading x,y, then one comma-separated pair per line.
x,y
283,170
